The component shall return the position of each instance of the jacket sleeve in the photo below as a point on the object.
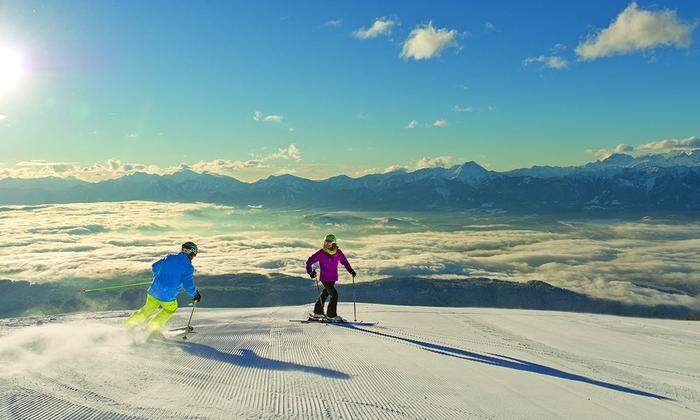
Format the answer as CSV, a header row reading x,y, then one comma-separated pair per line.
x,y
188,281
345,262
311,261
156,266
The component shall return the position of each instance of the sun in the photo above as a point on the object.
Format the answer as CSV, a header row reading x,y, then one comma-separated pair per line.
x,y
11,68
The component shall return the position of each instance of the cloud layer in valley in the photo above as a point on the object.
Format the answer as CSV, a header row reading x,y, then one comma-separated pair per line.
x,y
641,261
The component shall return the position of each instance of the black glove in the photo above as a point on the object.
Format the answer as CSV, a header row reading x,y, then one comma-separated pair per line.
x,y
352,272
312,274
197,297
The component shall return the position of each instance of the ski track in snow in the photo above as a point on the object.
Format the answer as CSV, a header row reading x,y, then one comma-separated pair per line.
x,y
416,363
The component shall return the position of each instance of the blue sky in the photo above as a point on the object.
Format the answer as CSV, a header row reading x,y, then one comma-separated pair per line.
x,y
160,84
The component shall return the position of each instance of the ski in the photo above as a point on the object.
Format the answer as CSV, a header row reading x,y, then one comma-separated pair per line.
x,y
179,332
355,323
188,328
325,319
332,321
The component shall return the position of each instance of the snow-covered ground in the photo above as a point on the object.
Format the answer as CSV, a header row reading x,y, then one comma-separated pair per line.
x,y
416,362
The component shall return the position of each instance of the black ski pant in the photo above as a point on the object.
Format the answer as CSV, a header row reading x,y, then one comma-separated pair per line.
x,y
328,289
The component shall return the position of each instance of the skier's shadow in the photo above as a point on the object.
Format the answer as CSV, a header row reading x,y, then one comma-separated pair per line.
x,y
249,358
508,362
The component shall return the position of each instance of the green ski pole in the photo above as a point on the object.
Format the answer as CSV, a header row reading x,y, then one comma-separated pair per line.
x,y
117,286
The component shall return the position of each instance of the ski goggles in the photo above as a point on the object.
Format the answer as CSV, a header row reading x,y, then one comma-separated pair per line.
x,y
190,251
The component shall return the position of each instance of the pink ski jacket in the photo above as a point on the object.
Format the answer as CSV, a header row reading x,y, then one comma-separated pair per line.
x,y
328,264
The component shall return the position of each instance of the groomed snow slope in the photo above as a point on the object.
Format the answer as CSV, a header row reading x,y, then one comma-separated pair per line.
x,y
417,362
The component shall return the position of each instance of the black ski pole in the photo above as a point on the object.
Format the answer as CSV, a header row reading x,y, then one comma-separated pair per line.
x,y
354,308
318,294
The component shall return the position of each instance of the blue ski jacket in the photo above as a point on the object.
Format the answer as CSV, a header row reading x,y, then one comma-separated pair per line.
x,y
169,275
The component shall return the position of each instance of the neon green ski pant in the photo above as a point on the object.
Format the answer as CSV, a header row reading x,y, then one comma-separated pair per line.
x,y
158,321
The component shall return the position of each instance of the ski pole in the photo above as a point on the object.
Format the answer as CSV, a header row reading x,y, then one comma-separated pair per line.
x,y
117,286
318,293
354,308
189,328
189,321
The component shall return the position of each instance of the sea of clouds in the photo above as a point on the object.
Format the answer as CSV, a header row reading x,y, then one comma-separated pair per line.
x,y
641,261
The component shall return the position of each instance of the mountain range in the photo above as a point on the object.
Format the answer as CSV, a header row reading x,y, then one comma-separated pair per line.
x,y
621,182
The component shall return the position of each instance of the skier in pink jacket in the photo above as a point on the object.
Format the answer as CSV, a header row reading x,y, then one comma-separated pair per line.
x,y
328,259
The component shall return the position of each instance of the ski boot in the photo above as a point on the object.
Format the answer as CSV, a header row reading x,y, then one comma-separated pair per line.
x,y
317,317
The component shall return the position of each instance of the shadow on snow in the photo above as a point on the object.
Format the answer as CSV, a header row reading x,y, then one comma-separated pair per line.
x,y
249,358
508,362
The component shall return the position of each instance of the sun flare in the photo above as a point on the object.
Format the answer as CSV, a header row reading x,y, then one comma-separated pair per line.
x,y
11,68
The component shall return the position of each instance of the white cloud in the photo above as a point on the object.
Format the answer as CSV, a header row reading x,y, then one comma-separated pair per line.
x,y
393,168
274,118
381,26
422,163
434,162
120,240
333,23
225,167
285,171
671,145
263,165
623,148
687,144
258,116
634,30
599,153
458,108
38,163
290,152
437,123
425,42
42,166
110,169
547,61
489,27
233,167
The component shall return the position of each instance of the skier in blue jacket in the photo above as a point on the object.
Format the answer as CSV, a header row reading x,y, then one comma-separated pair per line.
x,y
170,273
